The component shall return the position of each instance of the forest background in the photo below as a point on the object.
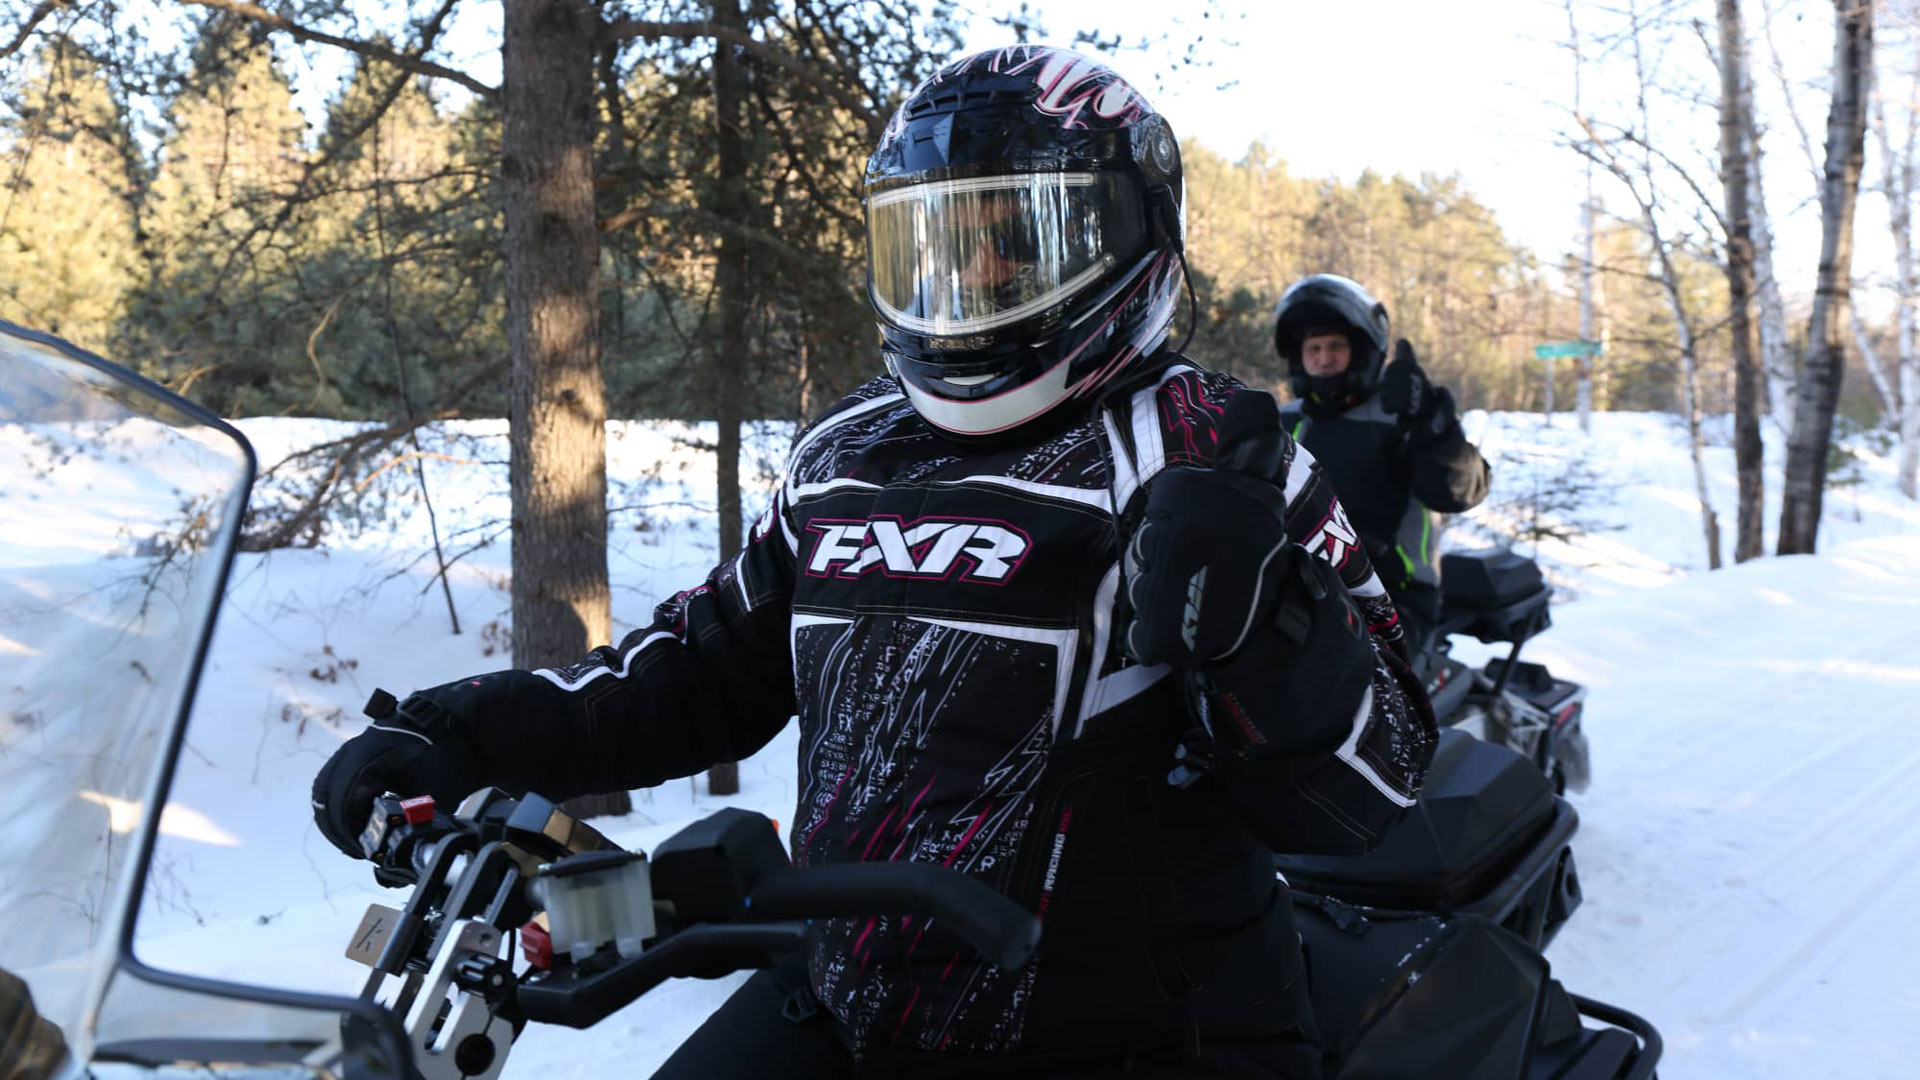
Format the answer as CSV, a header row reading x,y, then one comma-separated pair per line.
x,y
687,176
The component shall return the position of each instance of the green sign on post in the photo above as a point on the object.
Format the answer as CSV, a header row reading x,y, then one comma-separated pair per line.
x,y
1566,348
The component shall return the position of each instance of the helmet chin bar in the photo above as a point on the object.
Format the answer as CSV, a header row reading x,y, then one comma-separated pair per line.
x,y
989,415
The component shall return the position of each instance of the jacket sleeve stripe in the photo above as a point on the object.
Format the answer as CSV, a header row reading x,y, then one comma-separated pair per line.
x,y
807,491
1300,472
1126,479
626,665
740,581
1103,692
1349,753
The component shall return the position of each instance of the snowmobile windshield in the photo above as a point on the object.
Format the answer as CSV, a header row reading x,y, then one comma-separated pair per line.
x,y
119,506
968,257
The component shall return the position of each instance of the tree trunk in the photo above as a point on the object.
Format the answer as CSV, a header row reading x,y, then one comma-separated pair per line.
x,y
1909,411
1690,397
1748,537
1898,174
1696,447
557,410
1781,359
1819,390
1777,360
727,356
1876,371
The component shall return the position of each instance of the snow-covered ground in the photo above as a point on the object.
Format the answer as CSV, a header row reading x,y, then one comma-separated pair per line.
x,y
1749,846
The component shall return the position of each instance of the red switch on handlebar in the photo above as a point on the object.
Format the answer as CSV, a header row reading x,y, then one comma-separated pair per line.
x,y
418,810
536,945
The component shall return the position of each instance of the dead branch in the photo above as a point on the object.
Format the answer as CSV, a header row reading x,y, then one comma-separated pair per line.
x,y
332,148
713,222
371,50
34,18
417,455
698,29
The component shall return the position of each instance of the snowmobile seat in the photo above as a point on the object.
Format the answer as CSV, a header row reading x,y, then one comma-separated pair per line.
x,y
1494,595
1430,995
1487,837
1535,683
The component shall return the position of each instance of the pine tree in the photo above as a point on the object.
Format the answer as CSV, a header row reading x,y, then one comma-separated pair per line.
x,y
67,230
400,284
227,241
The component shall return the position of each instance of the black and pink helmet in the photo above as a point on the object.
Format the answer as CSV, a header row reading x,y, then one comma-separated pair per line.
x,y
1024,236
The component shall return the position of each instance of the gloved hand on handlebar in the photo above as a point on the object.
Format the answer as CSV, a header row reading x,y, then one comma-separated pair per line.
x,y
411,750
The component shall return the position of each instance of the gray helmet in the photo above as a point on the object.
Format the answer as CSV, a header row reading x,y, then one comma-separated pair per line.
x,y
1330,304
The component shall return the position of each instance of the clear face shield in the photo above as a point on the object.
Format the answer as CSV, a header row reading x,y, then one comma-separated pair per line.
x,y
960,258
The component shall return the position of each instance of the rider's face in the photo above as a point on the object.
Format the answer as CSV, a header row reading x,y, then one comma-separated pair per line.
x,y
986,266
1325,354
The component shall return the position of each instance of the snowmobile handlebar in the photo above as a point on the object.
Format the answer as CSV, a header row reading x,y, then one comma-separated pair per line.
x,y
1003,931
998,928
601,926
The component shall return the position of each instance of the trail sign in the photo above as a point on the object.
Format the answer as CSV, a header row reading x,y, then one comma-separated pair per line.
x,y
1566,348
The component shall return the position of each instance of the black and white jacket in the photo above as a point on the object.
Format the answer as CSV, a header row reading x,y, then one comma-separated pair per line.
x,y
942,621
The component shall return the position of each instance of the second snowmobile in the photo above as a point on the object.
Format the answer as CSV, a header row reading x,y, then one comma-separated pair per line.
x,y
1500,597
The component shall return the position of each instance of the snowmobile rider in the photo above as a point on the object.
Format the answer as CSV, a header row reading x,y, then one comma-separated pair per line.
x,y
998,586
1390,441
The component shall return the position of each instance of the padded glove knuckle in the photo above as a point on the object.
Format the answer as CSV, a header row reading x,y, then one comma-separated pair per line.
x,y
410,752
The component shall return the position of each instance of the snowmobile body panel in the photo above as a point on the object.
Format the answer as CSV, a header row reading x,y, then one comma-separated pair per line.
x,y
1488,837
1404,995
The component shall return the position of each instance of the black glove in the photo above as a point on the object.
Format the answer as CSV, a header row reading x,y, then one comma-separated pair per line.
x,y
1207,557
1301,677
1404,389
409,750
1426,411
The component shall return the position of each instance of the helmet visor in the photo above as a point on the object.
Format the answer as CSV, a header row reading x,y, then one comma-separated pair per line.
x,y
965,257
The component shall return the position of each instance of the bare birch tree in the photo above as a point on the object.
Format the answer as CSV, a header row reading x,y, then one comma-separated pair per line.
x,y
1631,158
1869,356
1584,364
1897,179
1748,453
1776,345
1819,389
1777,361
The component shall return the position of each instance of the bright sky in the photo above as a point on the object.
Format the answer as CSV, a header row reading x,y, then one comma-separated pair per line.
x,y
1483,90
1408,86
1397,85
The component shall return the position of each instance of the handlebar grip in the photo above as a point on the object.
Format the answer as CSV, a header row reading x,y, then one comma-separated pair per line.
x,y
1003,932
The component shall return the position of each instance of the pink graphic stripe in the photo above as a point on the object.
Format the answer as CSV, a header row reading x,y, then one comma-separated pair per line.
x,y
827,809
878,831
968,835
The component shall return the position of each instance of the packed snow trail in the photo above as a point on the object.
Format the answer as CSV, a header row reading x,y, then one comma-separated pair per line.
x,y
1750,847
